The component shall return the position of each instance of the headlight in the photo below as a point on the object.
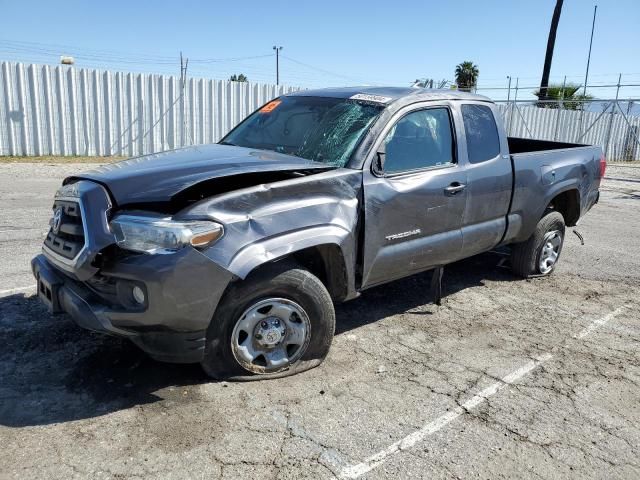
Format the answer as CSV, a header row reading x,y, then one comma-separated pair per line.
x,y
70,190
149,234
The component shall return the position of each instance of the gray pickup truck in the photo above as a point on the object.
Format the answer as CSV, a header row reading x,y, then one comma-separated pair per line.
x,y
233,255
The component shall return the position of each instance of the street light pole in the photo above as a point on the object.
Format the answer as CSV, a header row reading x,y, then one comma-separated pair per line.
x,y
277,49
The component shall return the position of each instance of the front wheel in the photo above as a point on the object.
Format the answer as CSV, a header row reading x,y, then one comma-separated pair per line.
x,y
277,322
539,254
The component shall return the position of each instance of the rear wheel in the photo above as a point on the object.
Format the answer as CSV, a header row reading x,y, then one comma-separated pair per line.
x,y
276,323
539,254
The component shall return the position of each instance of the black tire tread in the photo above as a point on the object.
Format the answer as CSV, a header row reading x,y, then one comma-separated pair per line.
x,y
524,255
281,276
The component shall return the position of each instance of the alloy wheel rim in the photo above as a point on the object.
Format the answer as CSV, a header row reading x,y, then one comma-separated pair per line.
x,y
550,251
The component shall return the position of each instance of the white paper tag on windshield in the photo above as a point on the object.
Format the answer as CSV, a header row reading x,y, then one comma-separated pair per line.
x,y
370,98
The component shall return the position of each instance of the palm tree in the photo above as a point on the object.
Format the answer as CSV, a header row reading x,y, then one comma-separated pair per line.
x,y
568,94
467,76
551,43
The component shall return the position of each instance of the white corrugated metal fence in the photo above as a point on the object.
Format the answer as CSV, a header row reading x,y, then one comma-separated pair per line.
x,y
62,110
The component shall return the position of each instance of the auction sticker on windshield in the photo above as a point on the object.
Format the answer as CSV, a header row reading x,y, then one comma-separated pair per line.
x,y
271,106
370,98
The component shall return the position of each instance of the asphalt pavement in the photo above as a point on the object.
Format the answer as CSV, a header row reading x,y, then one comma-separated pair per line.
x,y
507,379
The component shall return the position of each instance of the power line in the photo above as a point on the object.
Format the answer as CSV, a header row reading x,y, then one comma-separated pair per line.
x,y
256,72
327,72
108,59
57,49
111,56
222,67
234,59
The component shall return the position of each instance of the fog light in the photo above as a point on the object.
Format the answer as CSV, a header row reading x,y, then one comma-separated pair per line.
x,y
138,295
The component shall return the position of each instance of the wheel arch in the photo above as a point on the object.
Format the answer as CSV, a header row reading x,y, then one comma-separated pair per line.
x,y
327,252
327,263
567,203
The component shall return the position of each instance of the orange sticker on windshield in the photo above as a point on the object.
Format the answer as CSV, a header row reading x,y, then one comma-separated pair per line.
x,y
271,106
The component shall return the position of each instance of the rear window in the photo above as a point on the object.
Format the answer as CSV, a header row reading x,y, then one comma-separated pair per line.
x,y
481,132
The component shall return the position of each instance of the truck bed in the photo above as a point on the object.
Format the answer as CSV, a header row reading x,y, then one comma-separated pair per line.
x,y
526,145
544,169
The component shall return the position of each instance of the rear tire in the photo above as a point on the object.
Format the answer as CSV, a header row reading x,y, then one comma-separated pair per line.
x,y
278,322
539,255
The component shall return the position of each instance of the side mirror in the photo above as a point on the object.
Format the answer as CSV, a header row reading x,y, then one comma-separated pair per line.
x,y
379,159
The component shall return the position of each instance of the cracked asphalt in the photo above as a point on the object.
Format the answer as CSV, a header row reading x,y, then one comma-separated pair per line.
x,y
79,405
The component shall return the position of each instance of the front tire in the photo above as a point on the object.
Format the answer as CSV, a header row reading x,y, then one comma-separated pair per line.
x,y
278,322
538,256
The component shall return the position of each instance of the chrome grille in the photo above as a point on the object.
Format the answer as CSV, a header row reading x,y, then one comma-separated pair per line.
x,y
66,235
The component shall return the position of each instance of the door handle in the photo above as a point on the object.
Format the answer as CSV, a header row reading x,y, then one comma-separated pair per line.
x,y
455,188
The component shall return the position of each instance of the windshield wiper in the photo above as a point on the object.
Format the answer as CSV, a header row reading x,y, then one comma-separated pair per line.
x,y
227,143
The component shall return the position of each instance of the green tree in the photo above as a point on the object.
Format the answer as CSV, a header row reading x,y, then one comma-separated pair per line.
x,y
571,99
467,76
241,77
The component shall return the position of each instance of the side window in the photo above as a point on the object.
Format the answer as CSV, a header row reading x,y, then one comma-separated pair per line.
x,y
420,139
481,132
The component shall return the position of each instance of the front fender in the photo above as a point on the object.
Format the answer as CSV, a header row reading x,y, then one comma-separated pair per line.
x,y
270,221
269,249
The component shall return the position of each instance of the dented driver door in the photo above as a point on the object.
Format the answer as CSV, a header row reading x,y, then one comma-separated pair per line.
x,y
415,199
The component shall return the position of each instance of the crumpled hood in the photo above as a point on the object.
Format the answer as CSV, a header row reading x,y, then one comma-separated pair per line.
x,y
160,176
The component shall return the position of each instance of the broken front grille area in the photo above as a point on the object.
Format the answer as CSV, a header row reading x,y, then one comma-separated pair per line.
x,y
66,235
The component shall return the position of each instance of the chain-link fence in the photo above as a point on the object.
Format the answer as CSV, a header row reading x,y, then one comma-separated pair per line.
x,y
607,123
569,114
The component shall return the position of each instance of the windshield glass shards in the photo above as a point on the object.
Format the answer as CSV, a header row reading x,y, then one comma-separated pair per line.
x,y
321,129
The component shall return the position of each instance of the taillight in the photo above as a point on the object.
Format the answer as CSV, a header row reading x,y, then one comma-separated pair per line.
x,y
603,165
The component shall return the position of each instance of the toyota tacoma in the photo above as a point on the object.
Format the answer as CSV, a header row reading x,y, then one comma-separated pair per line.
x,y
234,254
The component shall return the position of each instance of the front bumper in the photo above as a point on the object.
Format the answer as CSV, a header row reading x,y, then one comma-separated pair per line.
x,y
182,291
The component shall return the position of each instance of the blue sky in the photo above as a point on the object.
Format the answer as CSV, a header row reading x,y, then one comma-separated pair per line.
x,y
333,42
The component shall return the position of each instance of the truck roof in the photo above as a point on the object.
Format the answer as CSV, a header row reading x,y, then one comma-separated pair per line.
x,y
392,93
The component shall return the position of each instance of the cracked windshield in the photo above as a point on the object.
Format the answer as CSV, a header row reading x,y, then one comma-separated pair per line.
x,y
321,129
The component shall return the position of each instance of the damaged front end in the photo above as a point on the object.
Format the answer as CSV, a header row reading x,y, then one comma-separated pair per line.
x,y
114,275
155,272
281,219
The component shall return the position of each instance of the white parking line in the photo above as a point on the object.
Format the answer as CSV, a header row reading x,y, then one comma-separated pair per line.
x,y
355,471
11,291
598,323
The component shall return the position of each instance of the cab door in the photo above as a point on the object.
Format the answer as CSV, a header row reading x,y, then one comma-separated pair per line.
x,y
490,178
415,199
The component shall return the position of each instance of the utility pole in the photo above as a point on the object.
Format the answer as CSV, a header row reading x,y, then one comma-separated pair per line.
x,y
586,75
277,49
551,42
593,25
